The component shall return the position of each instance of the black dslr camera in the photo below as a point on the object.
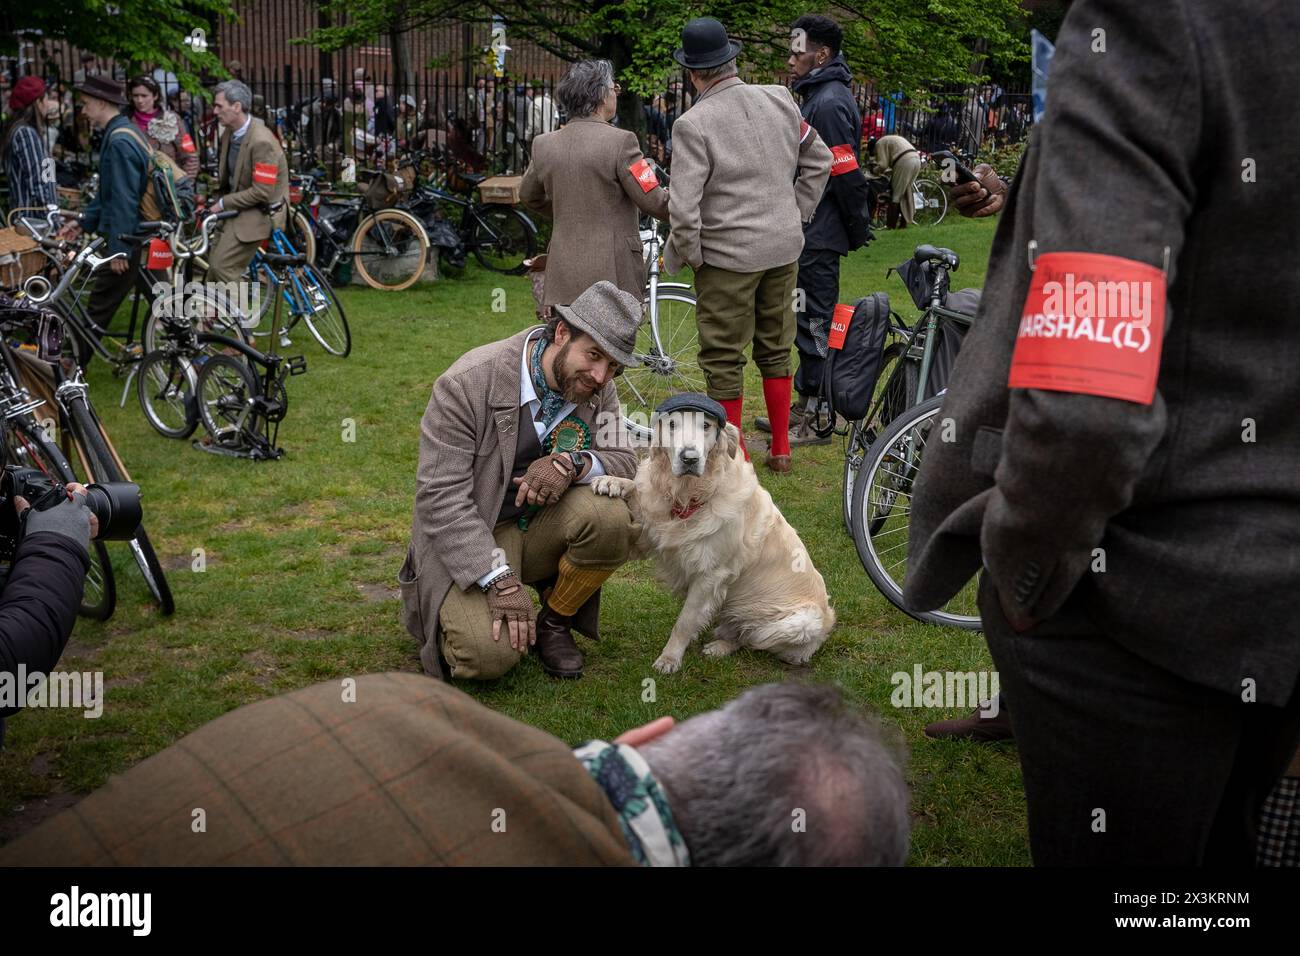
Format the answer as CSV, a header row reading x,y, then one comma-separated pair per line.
x,y
116,504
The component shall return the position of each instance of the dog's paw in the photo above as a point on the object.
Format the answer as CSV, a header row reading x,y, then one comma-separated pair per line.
x,y
719,648
613,487
667,664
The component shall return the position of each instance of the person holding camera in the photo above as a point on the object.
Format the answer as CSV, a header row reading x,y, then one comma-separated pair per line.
x,y
40,597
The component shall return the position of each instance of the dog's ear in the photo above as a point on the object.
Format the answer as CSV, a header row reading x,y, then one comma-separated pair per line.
x,y
733,440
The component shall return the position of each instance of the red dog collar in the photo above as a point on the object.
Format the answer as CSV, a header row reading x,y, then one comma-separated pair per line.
x,y
686,512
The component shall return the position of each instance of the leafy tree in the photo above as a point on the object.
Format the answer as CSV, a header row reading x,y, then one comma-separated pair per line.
x,y
906,45
141,33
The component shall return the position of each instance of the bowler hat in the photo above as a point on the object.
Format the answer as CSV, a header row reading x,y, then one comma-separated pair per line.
x,y
705,45
102,88
610,316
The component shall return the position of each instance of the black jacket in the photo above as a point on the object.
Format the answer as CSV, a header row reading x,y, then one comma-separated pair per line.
x,y
829,108
38,607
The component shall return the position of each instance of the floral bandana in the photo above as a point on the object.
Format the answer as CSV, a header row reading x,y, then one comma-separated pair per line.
x,y
628,782
552,401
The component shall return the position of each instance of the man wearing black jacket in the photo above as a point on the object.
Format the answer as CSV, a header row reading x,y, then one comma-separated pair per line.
x,y
821,77
38,606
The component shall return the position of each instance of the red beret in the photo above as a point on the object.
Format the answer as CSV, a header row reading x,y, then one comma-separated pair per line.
x,y
26,92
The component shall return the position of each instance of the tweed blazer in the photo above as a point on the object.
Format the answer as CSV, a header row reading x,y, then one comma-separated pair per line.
x,y
1194,499
245,192
582,178
408,772
747,174
467,446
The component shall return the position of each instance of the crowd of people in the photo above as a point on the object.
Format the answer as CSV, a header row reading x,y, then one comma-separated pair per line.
x,y
1133,545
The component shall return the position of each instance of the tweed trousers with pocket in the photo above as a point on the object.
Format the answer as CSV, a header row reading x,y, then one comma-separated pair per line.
x,y
736,308
593,531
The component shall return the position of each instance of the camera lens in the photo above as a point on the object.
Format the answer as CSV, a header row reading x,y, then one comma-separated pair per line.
x,y
116,504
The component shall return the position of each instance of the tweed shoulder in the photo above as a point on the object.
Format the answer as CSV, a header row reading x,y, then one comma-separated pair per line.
x,y
394,770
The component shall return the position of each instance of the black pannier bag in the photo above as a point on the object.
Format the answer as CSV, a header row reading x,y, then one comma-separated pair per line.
x,y
957,313
849,378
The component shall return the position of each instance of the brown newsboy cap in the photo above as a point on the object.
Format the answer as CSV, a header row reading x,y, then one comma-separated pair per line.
x,y
610,316
102,88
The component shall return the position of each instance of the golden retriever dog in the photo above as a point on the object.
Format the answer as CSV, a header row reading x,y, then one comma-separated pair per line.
x,y
721,546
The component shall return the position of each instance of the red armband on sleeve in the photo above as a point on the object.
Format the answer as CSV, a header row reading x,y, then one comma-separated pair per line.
x,y
644,175
265,173
844,159
1092,324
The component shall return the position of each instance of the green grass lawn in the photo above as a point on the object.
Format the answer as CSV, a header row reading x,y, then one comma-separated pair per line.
x,y
300,560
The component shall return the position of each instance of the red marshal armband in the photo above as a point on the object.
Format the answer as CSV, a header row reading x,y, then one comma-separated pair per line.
x,y
265,173
1093,325
187,143
804,131
844,159
644,175
840,320
160,255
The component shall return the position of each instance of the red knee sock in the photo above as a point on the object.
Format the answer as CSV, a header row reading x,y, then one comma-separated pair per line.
x,y
776,393
732,407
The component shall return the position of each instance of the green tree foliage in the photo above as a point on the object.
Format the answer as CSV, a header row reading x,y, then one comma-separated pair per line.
x,y
140,33
900,44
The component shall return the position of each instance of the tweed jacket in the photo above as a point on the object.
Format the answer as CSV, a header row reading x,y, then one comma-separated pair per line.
x,y
748,173
408,772
467,446
582,178
1194,499
249,189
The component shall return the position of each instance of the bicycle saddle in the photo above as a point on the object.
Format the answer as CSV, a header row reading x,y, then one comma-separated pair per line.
x,y
277,259
928,253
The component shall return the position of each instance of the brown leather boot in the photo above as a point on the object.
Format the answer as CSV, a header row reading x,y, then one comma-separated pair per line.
x,y
555,647
982,730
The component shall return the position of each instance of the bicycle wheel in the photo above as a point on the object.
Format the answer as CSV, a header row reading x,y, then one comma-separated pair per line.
x,y
882,511
322,311
931,203
165,384
209,309
301,234
27,446
669,349
390,250
863,433
502,238
105,466
226,389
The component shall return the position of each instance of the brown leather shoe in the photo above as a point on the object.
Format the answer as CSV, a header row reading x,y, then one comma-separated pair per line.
x,y
555,647
779,463
973,727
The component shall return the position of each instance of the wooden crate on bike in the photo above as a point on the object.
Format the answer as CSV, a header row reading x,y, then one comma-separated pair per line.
x,y
20,257
69,198
501,189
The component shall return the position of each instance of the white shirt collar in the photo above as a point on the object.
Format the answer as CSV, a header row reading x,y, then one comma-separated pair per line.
x,y
528,393
239,133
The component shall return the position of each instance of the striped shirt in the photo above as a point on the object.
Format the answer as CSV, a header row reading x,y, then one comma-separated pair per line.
x,y
24,162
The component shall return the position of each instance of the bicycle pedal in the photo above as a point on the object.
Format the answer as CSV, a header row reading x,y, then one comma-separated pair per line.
x,y
285,341
296,365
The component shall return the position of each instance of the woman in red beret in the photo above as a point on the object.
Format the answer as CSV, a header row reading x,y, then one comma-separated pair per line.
x,y
25,146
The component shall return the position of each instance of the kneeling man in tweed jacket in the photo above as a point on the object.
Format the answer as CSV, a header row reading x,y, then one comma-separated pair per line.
x,y
511,428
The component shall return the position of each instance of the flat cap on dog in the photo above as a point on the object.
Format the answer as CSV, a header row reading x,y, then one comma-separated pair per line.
x,y
610,316
695,402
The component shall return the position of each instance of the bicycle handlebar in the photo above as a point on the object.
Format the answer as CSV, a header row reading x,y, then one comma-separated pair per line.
x,y
86,257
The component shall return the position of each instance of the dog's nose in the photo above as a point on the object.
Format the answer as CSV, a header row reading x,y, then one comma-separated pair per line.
x,y
690,454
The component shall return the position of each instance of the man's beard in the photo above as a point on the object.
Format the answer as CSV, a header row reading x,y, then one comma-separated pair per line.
x,y
575,388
